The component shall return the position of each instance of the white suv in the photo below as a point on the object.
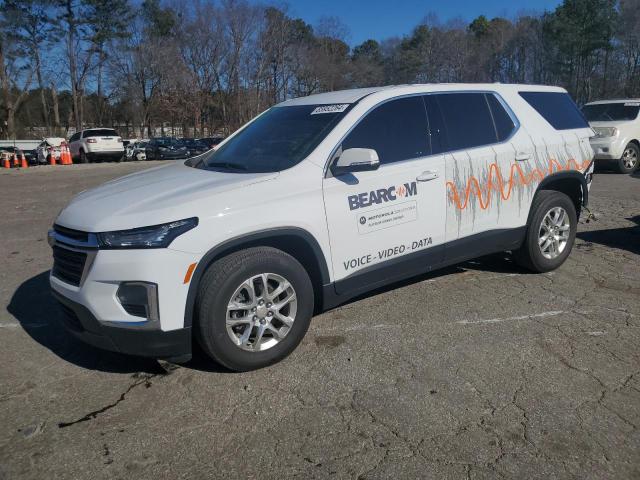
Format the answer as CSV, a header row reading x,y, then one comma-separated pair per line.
x,y
96,144
315,201
617,127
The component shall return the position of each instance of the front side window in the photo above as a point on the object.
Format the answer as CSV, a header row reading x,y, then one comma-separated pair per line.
x,y
397,130
608,112
279,139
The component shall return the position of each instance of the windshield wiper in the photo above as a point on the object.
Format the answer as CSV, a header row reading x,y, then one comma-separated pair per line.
x,y
227,165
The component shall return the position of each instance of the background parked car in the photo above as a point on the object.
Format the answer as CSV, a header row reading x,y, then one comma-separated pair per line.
x,y
617,127
196,147
136,151
49,146
166,148
212,142
96,144
30,155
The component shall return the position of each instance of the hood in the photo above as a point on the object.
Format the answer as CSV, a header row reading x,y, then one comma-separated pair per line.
x,y
151,197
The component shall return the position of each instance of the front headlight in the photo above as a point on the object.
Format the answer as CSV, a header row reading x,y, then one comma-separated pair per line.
x,y
155,236
604,132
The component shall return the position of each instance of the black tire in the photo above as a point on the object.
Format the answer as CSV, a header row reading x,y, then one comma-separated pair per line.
x,y
216,289
529,255
83,157
634,151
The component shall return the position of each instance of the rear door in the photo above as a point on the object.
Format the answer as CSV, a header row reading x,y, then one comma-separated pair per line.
x,y
387,223
483,181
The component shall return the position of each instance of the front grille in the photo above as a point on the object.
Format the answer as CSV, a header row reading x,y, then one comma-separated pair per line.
x,y
73,234
68,265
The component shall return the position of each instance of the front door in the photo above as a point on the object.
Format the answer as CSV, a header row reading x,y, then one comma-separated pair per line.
x,y
388,223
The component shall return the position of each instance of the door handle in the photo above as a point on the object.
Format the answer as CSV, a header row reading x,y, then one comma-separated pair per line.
x,y
522,156
427,176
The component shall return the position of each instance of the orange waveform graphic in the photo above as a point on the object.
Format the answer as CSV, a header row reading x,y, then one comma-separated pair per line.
x,y
496,182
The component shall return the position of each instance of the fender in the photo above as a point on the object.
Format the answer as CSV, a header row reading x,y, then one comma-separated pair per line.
x,y
566,175
233,244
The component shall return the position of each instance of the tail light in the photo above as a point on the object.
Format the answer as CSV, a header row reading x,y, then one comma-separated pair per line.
x,y
49,149
91,140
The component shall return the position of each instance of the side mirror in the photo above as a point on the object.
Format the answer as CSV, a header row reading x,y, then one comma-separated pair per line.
x,y
356,160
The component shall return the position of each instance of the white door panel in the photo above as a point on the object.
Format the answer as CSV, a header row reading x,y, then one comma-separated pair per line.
x,y
385,214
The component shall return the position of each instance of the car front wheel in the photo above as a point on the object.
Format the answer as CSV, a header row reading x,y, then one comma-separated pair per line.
x,y
253,308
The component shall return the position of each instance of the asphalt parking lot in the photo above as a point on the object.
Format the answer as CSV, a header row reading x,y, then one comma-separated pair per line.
x,y
479,371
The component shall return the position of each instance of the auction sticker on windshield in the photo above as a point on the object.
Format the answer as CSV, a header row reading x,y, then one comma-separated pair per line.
x,y
337,108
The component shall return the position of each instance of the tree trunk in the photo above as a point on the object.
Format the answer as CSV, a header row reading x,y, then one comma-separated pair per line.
x,y
56,110
43,98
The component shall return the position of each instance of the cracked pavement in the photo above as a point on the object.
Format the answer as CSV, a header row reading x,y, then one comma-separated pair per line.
x,y
479,371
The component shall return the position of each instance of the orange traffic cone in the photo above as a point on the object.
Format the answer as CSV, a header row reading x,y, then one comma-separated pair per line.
x,y
6,163
67,156
23,162
16,161
52,159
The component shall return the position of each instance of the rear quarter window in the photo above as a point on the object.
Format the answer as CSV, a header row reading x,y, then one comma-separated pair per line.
x,y
557,108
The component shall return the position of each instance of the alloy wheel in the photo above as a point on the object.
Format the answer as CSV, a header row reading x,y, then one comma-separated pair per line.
x,y
261,312
553,234
630,158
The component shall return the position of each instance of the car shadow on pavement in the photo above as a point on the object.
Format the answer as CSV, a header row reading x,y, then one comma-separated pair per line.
x,y
40,316
627,238
497,263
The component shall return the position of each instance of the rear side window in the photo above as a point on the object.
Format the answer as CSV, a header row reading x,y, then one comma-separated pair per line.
x,y
557,108
396,130
467,119
437,131
103,132
503,121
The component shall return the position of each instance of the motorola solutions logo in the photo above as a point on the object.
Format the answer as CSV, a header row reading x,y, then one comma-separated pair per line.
x,y
382,195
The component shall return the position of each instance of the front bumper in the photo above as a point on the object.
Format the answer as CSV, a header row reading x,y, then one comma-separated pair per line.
x,y
105,155
610,148
82,324
91,296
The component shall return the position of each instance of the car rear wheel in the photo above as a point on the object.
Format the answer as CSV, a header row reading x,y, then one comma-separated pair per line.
x,y
628,162
550,233
83,157
253,308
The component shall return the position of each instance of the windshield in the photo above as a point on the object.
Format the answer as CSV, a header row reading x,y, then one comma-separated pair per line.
x,y
279,139
606,112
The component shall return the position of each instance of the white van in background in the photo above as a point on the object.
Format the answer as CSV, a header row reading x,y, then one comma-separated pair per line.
x,y
617,127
